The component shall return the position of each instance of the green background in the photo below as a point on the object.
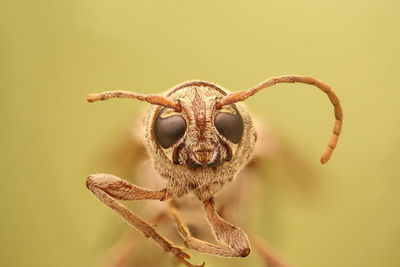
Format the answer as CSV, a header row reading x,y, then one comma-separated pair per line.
x,y
53,53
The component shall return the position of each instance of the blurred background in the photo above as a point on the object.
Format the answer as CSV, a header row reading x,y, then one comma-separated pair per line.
x,y
53,53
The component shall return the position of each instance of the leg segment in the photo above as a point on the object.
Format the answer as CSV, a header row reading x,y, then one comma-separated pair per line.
x,y
269,255
119,255
233,240
226,233
108,187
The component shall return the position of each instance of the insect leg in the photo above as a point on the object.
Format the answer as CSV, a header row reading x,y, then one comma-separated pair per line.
x,y
108,187
270,257
119,254
226,233
233,240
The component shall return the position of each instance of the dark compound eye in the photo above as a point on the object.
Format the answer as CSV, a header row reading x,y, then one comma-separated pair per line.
x,y
169,130
230,125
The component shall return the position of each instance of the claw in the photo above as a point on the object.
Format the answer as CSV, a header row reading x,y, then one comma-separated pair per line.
x,y
191,265
178,252
182,256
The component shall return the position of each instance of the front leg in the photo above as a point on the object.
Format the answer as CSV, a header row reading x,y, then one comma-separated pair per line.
x,y
108,187
226,233
233,240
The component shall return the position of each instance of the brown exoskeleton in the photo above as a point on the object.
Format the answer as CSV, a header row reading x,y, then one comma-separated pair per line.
x,y
198,139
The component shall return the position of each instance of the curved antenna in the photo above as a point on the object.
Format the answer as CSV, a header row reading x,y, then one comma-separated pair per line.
x,y
152,99
337,127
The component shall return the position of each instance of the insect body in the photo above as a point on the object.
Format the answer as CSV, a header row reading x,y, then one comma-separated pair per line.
x,y
199,137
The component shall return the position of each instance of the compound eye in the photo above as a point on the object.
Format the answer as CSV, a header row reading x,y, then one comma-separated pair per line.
x,y
229,123
168,128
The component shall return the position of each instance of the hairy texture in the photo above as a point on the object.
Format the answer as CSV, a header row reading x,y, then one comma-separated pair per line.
x,y
199,111
201,142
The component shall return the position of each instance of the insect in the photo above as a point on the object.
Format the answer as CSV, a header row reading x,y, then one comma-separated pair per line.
x,y
199,137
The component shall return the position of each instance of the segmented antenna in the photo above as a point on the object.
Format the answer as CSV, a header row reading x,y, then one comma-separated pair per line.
x,y
337,128
152,99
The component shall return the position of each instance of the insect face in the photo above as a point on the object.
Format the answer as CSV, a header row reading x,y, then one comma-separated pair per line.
x,y
198,146
200,136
